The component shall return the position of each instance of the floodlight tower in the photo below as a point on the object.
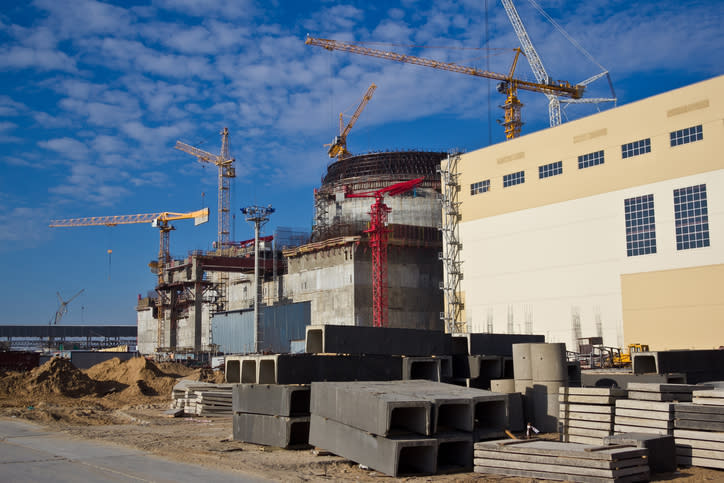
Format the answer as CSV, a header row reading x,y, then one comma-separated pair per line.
x,y
258,215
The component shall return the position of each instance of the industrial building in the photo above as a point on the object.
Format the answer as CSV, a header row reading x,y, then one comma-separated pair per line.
x,y
610,225
203,303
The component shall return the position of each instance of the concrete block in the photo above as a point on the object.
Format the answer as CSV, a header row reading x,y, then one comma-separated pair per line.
x,y
583,424
601,378
701,425
698,435
232,369
421,368
279,431
630,428
504,386
660,396
586,408
651,423
349,339
699,412
661,449
498,344
644,414
573,369
645,405
271,399
454,452
522,368
573,438
660,387
546,405
446,366
593,391
548,362
592,433
698,365
701,462
601,418
392,456
515,416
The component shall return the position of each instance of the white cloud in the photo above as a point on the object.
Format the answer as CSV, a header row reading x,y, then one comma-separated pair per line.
x,y
17,57
202,8
70,148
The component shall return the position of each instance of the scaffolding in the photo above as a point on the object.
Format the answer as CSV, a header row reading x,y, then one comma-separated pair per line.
x,y
454,315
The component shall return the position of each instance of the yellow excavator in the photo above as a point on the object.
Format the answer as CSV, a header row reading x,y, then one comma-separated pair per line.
x,y
624,358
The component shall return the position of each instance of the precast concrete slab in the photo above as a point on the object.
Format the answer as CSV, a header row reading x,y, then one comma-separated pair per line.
x,y
698,365
593,391
271,399
279,431
305,368
421,368
660,396
372,407
581,416
661,449
393,456
619,378
651,423
498,344
349,339
454,452
645,405
643,414
640,428
587,408
659,387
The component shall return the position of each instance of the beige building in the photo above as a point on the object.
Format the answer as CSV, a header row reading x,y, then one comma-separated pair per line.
x,y
611,225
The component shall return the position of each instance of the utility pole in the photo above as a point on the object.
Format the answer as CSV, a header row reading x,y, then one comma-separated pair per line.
x,y
258,215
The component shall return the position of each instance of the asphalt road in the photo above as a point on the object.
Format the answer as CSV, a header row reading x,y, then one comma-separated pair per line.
x,y
29,452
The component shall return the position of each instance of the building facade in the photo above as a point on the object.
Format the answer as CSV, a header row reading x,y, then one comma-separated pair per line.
x,y
611,225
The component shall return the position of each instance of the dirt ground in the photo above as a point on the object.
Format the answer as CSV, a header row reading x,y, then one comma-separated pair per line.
x,y
123,403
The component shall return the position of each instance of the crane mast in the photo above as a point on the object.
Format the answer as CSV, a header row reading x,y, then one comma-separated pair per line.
x,y
225,163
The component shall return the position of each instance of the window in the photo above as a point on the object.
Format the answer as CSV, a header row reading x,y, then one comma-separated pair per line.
x,y
685,136
480,187
513,179
640,225
635,148
590,159
552,169
692,217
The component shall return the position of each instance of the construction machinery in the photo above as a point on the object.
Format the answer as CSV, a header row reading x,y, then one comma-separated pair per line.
x,y
338,148
62,307
508,85
378,232
158,220
625,358
225,163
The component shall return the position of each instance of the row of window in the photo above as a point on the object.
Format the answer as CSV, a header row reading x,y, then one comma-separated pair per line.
x,y
635,148
691,220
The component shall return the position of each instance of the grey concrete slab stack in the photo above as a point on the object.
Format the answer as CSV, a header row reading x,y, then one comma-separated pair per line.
x,y
699,429
587,413
553,460
661,449
412,426
202,398
271,415
650,407
349,339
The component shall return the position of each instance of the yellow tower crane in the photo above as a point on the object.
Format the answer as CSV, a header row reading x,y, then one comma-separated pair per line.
x,y
225,163
508,85
158,220
338,148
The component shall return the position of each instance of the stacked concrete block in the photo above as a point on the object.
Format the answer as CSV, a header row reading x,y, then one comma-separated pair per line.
x,y
697,365
515,420
587,413
271,415
699,430
650,407
348,339
492,344
554,460
305,368
202,399
429,368
398,427
478,370
661,449
540,371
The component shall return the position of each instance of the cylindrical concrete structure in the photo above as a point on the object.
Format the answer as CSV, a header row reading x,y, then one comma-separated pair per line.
x,y
504,386
546,405
548,362
522,369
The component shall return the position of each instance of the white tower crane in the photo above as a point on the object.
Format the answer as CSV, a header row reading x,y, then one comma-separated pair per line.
x,y
536,64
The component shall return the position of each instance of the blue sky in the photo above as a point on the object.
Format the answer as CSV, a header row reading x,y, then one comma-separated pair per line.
x,y
93,96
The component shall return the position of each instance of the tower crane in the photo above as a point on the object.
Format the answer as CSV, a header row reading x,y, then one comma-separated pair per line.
x,y
536,64
508,85
157,220
378,243
63,307
225,163
338,148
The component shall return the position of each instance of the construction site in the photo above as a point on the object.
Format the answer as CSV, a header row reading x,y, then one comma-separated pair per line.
x,y
499,315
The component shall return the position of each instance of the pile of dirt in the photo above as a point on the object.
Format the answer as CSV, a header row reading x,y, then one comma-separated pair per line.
x,y
206,375
135,378
56,377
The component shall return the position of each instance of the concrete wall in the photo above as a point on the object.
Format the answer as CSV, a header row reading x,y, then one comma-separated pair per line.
x,y
147,331
549,255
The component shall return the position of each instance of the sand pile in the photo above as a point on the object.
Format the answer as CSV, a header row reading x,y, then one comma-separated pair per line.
x,y
136,377
56,377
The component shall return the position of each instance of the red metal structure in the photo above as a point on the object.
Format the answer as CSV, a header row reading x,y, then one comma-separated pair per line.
x,y
378,244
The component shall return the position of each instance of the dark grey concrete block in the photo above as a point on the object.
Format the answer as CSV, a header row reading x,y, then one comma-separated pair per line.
x,y
271,399
392,456
698,365
421,368
498,344
454,452
279,431
348,339
599,378
370,407
662,449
